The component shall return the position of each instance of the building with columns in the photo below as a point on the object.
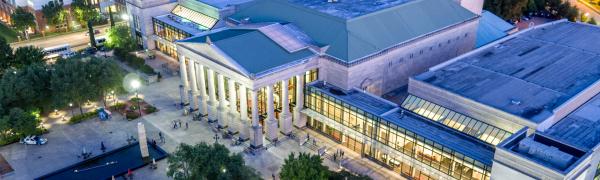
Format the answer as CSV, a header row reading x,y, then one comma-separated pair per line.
x,y
323,63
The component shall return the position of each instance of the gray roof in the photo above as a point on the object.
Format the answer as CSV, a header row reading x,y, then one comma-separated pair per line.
x,y
528,75
363,101
581,128
491,28
375,30
179,23
348,9
223,3
251,49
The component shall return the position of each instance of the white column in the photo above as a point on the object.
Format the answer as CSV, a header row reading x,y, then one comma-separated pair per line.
x,y
245,125
299,118
222,110
271,120
194,84
212,97
183,72
184,79
202,97
286,119
257,140
233,119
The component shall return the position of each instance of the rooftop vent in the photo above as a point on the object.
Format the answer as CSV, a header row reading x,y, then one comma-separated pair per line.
x,y
337,92
515,102
546,153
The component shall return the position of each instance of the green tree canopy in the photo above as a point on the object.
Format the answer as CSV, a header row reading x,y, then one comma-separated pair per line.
x,y
6,55
204,161
19,122
27,88
70,83
25,56
593,21
120,37
22,19
304,167
507,9
54,13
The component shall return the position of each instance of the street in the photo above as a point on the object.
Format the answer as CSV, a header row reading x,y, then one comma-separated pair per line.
x,y
584,9
77,40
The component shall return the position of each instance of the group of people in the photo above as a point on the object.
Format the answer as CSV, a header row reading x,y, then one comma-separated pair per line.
x,y
177,124
339,154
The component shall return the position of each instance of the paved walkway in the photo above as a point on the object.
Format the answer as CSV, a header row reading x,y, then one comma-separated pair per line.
x,y
165,94
67,141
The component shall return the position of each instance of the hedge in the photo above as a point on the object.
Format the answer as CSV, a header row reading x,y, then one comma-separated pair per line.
x,y
133,61
81,117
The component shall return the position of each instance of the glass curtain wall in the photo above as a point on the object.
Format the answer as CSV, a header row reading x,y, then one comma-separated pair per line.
x,y
401,140
473,127
169,33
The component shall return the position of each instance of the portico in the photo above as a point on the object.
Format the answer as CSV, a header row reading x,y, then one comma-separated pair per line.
x,y
251,104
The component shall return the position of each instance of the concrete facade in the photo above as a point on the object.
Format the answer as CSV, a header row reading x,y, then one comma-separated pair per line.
x,y
140,18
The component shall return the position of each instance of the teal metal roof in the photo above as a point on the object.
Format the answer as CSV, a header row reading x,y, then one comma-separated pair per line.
x,y
353,38
491,28
251,49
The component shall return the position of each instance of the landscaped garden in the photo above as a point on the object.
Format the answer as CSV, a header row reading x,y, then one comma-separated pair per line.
x,y
131,108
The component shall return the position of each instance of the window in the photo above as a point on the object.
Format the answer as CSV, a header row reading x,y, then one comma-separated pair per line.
x,y
492,135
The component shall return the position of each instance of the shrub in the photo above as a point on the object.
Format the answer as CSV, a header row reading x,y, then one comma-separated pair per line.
x,y
136,100
147,69
118,106
81,117
132,115
150,109
9,140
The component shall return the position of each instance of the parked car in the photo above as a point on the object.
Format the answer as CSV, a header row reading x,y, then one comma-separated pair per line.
x,y
34,140
69,54
95,32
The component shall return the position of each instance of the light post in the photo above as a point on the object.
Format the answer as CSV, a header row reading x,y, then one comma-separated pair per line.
x,y
135,84
216,137
71,107
114,97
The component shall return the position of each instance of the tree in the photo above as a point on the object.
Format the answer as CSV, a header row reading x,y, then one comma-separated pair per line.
x,y
566,10
86,12
6,55
54,13
22,20
25,56
119,37
531,6
27,88
23,123
304,167
70,82
104,76
507,9
203,161
592,21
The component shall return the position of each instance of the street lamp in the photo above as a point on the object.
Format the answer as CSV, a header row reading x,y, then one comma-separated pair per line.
x,y
216,137
71,107
135,84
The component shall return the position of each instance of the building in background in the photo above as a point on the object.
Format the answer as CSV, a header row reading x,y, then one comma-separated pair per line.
x,y
157,24
35,7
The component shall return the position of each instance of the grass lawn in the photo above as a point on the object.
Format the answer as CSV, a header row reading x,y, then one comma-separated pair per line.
x,y
7,33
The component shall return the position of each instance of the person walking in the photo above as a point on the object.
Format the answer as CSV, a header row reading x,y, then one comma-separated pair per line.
x,y
186,125
102,147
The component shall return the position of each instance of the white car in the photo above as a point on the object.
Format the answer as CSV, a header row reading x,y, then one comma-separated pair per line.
x,y
34,140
